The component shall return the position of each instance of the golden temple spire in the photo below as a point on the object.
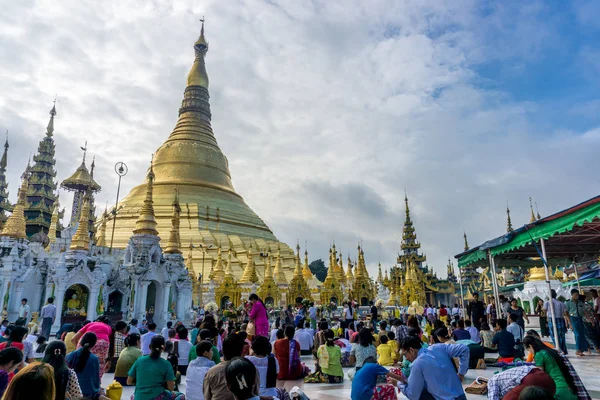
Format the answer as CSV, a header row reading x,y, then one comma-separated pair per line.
x,y
81,238
218,272
197,75
532,219
228,269
278,272
450,268
174,242
343,279
268,269
249,275
15,224
50,127
298,268
306,272
146,223
537,211
509,227
54,222
349,276
359,273
101,237
380,275
466,243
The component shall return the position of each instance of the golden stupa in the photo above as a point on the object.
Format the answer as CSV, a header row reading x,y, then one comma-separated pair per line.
x,y
212,213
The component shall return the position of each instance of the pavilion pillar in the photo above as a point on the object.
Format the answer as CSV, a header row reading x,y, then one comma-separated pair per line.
x,y
494,277
59,297
92,302
552,316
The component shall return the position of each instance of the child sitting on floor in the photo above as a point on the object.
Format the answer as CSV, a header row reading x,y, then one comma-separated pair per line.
x,y
384,352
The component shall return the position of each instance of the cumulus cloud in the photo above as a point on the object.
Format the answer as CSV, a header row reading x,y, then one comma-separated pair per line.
x,y
327,112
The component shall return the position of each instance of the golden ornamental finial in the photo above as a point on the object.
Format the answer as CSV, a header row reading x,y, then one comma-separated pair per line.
x,y
532,219
537,211
509,227
4,161
81,238
15,225
466,243
174,242
54,222
146,223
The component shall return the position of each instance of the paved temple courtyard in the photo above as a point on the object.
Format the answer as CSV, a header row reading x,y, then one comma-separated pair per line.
x,y
587,367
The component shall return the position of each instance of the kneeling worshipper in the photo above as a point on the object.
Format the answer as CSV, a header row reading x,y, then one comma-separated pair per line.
x,y
509,384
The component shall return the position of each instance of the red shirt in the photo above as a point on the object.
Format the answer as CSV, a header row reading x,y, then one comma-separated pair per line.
x,y
443,312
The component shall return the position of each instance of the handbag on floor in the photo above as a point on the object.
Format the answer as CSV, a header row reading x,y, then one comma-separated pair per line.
x,y
478,386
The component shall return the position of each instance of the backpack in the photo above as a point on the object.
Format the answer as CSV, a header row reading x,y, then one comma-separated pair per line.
x,y
173,356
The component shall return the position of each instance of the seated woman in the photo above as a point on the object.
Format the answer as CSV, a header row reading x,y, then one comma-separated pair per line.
x,y
287,351
556,366
35,381
534,333
487,336
363,349
10,359
266,365
240,375
86,366
329,359
40,348
152,374
128,357
67,384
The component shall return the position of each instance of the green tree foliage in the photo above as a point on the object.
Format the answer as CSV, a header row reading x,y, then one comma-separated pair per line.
x,y
318,269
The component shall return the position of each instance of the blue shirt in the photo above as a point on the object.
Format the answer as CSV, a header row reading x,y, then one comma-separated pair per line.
x,y
89,377
434,371
505,342
365,381
461,334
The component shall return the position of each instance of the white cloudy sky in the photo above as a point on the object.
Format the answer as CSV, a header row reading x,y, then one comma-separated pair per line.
x,y
327,110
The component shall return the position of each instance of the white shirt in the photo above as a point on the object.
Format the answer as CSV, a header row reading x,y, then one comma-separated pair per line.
x,y
304,338
165,333
145,342
349,313
24,311
194,380
184,347
133,329
488,310
273,335
48,311
455,311
262,365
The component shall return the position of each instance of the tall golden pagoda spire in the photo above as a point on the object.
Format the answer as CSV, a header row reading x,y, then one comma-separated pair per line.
x,y
101,237
306,272
4,160
359,273
268,269
174,242
54,223
537,211
279,274
466,243
190,159
146,223
343,279
509,227
4,203
218,272
249,275
15,224
532,219
81,238
380,275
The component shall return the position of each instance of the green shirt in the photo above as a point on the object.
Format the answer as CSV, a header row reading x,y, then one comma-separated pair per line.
x,y
575,309
192,355
150,376
335,361
126,360
544,360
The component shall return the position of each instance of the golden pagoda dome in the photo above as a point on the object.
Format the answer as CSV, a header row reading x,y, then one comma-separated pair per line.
x,y
306,272
191,160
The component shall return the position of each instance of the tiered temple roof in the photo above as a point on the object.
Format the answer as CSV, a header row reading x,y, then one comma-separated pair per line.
x,y
42,183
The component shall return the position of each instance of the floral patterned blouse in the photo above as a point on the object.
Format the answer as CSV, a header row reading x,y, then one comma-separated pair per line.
x,y
362,353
